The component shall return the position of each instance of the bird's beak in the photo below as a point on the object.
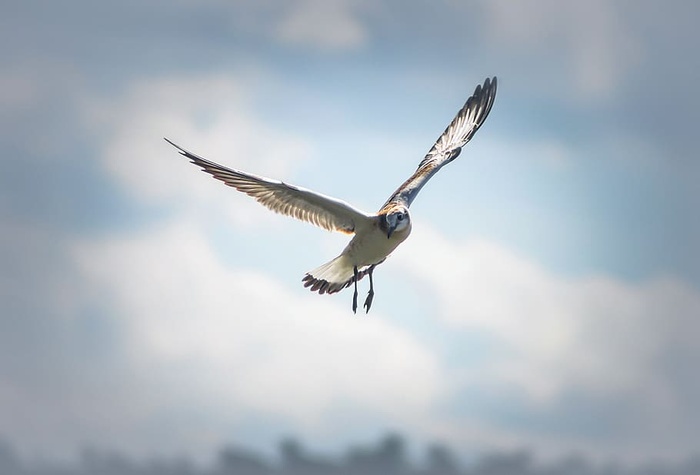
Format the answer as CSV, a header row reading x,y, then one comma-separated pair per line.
x,y
390,232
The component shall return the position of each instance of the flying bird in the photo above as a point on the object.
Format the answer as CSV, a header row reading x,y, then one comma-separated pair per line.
x,y
375,235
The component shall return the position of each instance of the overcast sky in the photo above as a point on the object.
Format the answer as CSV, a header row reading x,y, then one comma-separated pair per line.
x,y
548,297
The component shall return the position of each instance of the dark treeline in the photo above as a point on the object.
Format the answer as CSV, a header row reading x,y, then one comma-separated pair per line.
x,y
387,457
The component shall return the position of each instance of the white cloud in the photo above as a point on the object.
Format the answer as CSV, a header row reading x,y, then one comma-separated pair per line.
x,y
598,336
207,115
242,344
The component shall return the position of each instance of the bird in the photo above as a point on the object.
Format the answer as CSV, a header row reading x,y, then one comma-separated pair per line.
x,y
376,235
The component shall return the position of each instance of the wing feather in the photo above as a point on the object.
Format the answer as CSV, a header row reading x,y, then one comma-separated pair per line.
x,y
449,145
305,205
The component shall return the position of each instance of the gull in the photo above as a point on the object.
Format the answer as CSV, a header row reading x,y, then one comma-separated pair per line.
x,y
376,235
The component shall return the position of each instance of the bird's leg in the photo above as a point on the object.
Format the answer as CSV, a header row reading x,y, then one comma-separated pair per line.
x,y
370,295
354,296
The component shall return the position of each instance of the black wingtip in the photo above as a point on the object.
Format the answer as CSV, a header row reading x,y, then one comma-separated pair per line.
x,y
494,84
179,149
490,84
485,94
184,152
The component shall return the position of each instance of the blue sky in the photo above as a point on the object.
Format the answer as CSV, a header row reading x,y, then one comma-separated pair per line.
x,y
548,296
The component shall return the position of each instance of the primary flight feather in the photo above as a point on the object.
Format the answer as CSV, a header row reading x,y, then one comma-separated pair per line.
x,y
375,235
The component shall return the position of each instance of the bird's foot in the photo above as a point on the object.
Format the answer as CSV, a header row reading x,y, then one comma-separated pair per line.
x,y
368,301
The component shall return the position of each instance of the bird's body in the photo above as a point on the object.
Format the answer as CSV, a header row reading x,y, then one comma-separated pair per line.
x,y
369,247
375,235
372,246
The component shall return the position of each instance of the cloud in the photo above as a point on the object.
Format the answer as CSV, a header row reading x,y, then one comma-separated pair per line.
x,y
550,338
331,27
591,39
30,105
237,344
325,25
158,346
207,114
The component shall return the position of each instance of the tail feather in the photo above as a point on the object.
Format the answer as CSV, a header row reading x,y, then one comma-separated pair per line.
x,y
333,276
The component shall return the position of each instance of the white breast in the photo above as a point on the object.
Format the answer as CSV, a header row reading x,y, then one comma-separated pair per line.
x,y
370,246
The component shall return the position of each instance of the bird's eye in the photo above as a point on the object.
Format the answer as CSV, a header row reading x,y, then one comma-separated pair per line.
x,y
400,217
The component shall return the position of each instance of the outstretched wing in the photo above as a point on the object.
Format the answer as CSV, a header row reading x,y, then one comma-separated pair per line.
x,y
449,145
306,205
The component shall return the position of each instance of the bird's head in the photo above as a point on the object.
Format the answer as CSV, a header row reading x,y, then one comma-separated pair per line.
x,y
397,220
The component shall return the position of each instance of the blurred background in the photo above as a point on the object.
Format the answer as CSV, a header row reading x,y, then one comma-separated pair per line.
x,y
546,304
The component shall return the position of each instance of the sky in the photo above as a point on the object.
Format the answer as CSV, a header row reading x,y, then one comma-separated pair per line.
x,y
548,296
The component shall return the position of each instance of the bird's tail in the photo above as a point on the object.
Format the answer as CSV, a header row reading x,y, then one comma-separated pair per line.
x,y
332,276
